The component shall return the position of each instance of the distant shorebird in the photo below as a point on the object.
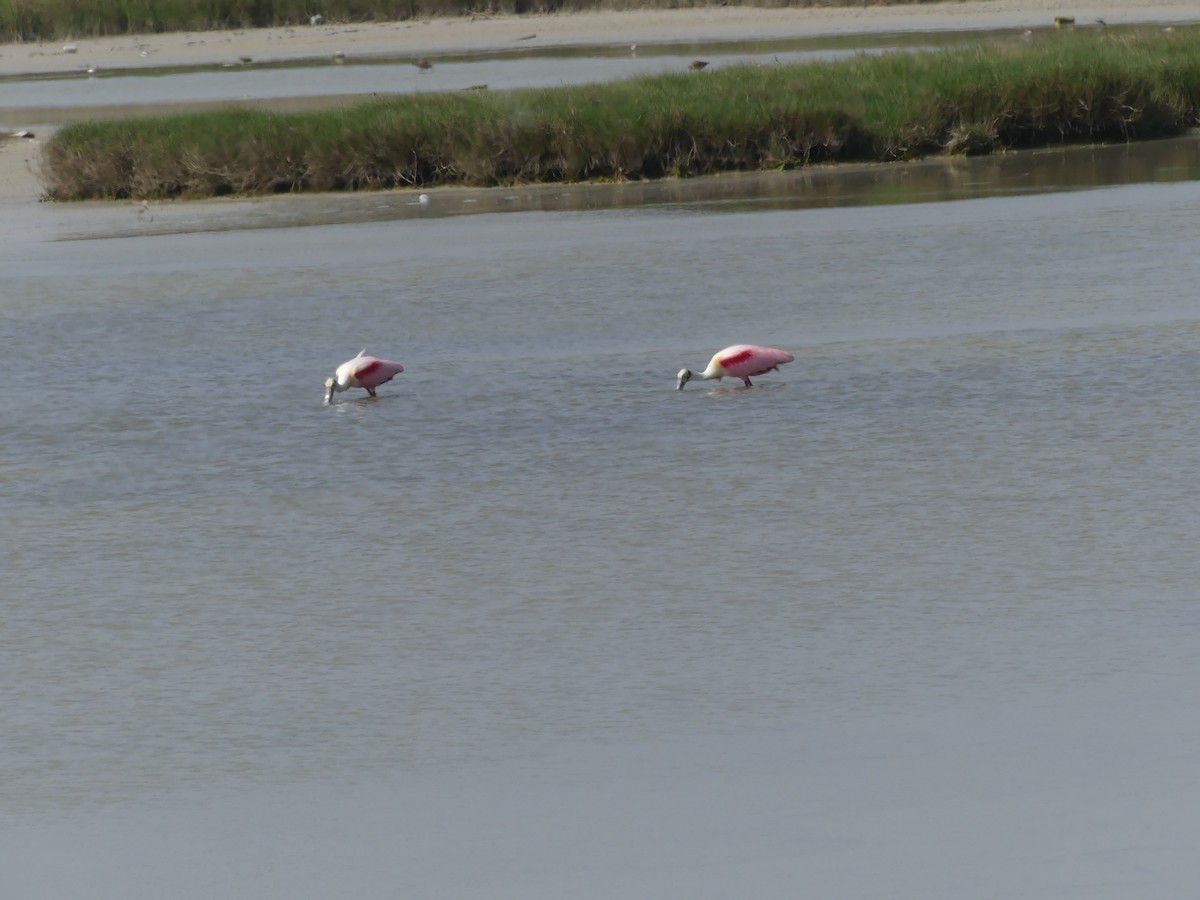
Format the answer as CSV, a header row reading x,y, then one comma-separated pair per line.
x,y
423,64
366,372
697,64
739,361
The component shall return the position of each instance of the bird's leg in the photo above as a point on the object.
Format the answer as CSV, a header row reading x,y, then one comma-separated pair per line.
x,y
746,379
371,391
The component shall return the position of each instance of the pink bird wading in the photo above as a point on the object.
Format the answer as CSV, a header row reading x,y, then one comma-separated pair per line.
x,y
363,371
739,361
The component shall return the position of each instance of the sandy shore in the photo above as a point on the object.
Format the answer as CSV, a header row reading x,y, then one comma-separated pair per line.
x,y
423,38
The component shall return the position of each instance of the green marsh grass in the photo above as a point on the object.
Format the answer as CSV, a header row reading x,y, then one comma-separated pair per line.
x,y
1072,87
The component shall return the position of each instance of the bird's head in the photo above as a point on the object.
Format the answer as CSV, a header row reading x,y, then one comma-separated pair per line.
x,y
331,385
684,376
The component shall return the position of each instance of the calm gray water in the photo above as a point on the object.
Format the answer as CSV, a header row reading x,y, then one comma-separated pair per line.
x,y
915,617
237,82
90,83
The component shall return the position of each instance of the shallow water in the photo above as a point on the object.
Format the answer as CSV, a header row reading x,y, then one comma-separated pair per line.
x,y
1046,171
914,617
238,82
94,86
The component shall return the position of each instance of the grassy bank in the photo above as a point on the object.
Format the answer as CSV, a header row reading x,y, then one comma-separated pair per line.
x,y
1074,87
31,20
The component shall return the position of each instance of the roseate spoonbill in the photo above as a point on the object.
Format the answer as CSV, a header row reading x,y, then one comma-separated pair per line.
x,y
739,361
361,372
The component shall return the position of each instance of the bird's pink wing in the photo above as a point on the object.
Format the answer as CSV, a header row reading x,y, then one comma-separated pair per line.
x,y
744,360
371,372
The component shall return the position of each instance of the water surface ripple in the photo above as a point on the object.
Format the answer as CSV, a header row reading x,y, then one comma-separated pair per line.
x,y
964,520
